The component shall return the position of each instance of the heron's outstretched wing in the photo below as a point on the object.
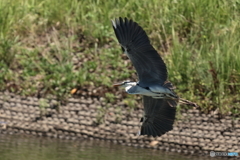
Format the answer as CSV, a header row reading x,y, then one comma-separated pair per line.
x,y
135,43
159,115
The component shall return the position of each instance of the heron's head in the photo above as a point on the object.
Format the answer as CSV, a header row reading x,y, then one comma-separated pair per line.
x,y
125,84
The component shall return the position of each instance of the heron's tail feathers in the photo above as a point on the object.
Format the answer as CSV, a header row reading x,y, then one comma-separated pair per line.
x,y
170,86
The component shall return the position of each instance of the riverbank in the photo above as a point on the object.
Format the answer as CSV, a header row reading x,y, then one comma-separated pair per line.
x,y
52,47
193,133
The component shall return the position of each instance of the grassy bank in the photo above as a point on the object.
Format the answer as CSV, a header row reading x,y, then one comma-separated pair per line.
x,y
54,46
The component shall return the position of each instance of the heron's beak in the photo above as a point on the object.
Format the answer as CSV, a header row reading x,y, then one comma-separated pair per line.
x,y
117,84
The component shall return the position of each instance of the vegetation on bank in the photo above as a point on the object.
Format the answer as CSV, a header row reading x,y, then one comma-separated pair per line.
x,y
51,47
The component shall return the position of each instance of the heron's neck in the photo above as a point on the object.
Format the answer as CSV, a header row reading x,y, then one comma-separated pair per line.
x,y
129,85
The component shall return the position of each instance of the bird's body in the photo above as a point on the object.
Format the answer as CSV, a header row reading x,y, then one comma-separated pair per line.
x,y
154,91
159,99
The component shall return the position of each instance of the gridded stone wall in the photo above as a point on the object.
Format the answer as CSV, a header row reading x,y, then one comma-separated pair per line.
x,y
194,132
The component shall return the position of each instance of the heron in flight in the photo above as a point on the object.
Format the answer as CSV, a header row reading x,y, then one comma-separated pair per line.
x,y
159,99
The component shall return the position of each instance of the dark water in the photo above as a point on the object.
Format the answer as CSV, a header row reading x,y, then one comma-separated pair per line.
x,y
17,147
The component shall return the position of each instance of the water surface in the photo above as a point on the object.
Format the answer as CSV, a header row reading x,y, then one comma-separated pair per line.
x,y
18,147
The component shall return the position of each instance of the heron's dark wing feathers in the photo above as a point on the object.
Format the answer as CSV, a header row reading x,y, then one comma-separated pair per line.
x,y
159,116
149,65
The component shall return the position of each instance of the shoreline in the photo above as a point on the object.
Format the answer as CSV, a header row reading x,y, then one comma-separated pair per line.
x,y
194,133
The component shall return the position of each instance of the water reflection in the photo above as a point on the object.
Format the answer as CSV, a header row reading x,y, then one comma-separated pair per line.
x,y
34,148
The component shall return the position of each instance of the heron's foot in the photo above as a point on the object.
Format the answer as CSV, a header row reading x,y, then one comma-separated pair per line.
x,y
187,102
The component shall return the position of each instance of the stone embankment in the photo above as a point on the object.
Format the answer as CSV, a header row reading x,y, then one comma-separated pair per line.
x,y
193,133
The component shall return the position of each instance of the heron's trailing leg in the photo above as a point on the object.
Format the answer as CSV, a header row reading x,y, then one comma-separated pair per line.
x,y
184,101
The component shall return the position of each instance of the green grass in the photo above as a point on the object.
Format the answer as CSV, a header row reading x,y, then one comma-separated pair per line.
x,y
48,47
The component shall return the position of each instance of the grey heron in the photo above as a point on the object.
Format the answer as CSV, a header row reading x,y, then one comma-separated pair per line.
x,y
159,99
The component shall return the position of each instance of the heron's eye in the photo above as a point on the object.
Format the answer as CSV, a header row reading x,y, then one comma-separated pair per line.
x,y
147,88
